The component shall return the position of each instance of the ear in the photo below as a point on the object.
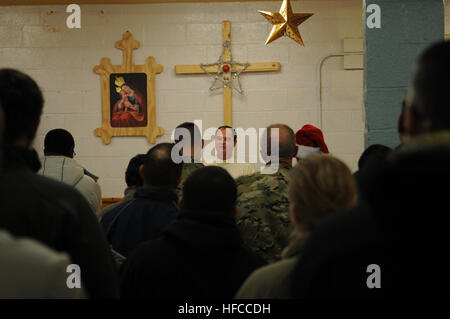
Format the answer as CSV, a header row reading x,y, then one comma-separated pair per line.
x,y
265,158
180,202
412,124
141,172
296,151
70,152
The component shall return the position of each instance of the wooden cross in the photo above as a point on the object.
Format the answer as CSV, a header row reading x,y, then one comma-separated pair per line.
x,y
226,68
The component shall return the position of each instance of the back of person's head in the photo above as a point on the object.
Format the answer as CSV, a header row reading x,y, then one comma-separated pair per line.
x,y
159,168
320,185
431,88
287,147
132,176
59,142
210,188
373,154
194,131
22,103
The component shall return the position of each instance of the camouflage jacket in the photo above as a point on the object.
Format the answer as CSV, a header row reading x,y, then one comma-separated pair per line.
x,y
263,212
188,168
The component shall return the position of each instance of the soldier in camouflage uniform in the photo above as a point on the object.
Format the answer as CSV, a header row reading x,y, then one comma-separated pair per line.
x,y
263,205
191,155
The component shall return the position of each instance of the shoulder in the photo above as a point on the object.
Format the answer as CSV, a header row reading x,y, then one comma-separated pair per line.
x,y
339,237
26,258
109,208
257,182
247,179
340,231
111,211
28,249
189,167
143,257
43,189
270,281
277,270
142,206
87,182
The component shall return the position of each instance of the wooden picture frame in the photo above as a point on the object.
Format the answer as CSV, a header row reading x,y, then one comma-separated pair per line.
x,y
128,95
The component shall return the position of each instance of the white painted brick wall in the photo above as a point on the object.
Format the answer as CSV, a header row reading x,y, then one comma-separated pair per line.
x,y
447,16
35,39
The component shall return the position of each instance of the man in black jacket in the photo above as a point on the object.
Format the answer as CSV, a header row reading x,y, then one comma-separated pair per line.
x,y
38,207
153,207
201,255
394,244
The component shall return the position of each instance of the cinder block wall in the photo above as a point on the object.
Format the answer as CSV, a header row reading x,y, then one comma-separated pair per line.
x,y
36,40
447,18
407,28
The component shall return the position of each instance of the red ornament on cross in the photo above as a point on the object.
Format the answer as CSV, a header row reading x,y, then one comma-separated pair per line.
x,y
226,68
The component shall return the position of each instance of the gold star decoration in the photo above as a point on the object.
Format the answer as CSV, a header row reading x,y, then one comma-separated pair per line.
x,y
285,22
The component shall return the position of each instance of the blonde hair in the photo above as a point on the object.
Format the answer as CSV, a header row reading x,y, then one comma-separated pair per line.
x,y
319,185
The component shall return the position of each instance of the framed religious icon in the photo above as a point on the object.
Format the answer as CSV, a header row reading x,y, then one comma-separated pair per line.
x,y
128,99
128,95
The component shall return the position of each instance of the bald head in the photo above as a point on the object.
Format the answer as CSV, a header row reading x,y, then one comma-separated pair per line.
x,y
285,137
159,169
161,151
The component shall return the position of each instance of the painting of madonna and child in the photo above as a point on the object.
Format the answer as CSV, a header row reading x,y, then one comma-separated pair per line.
x,y
128,98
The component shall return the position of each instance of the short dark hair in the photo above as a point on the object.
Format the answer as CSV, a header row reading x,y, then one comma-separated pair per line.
x,y
210,188
132,176
431,82
59,141
22,102
159,168
193,131
374,154
286,145
232,129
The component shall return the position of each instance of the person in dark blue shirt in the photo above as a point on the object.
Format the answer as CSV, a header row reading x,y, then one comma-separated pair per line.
x,y
153,207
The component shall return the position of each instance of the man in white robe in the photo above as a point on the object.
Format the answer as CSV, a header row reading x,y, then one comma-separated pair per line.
x,y
226,140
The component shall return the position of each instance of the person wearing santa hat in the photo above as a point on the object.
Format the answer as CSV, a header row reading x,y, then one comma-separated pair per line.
x,y
310,140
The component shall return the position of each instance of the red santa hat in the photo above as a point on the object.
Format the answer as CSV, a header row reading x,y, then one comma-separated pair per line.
x,y
310,137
